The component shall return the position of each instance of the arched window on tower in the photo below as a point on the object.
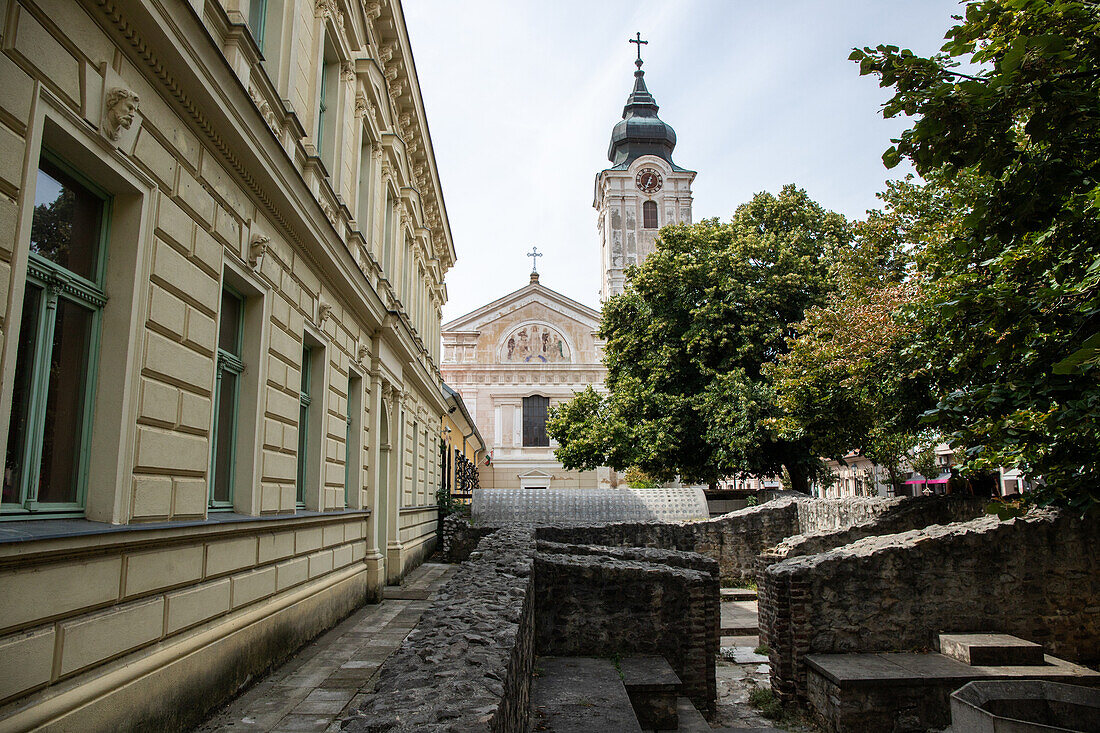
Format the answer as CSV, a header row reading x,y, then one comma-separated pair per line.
x,y
649,214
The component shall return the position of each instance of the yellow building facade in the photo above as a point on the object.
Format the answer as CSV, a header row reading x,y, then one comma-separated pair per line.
x,y
223,254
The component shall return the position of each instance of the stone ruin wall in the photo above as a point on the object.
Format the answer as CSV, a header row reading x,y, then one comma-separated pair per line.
x,y
467,665
617,602
1037,578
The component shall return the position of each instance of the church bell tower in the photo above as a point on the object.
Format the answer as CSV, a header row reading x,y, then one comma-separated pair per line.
x,y
643,190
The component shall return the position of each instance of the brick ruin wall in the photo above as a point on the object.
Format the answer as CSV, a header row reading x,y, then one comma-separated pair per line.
x,y
1037,578
616,602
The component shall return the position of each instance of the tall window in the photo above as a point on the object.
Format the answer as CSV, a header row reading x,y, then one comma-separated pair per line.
x,y
387,239
47,453
353,446
257,20
227,389
326,105
534,421
649,214
363,210
303,423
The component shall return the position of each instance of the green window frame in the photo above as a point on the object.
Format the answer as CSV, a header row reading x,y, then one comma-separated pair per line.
x,y
257,20
304,401
322,107
347,452
56,293
227,394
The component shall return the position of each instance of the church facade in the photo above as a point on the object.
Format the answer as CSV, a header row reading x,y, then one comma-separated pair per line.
x,y
514,358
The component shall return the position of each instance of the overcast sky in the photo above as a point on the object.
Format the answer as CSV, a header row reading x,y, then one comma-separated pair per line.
x,y
521,96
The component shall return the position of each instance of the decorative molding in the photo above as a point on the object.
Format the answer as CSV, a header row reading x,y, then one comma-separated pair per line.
x,y
257,248
347,71
362,353
373,11
265,109
329,9
324,310
360,107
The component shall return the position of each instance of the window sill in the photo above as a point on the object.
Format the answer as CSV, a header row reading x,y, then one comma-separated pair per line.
x,y
31,530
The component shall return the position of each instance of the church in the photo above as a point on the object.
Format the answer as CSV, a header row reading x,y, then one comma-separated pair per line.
x,y
514,358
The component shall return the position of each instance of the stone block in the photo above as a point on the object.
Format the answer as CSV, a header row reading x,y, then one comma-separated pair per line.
x,y
192,606
227,556
162,568
275,546
189,497
291,573
167,311
174,223
208,252
152,497
332,534
253,585
17,90
96,638
53,61
156,159
320,563
341,556
192,194
168,451
307,540
12,151
279,466
194,411
989,650
26,660
173,270
159,403
37,593
177,363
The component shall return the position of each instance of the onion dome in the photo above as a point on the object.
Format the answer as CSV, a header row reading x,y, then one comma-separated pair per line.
x,y
641,131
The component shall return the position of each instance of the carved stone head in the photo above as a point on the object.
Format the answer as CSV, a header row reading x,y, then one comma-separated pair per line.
x,y
257,248
121,106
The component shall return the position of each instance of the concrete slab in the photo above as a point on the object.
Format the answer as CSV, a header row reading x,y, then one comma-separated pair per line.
x,y
988,650
579,695
739,618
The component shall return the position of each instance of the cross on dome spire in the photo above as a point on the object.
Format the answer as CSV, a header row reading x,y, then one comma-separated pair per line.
x,y
638,40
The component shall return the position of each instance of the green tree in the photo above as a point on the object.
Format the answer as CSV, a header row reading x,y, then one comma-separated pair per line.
x,y
850,380
1010,313
688,342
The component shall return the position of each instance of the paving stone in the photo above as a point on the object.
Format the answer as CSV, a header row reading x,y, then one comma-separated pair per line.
x,y
312,689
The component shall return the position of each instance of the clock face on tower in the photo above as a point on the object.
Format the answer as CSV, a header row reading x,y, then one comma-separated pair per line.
x,y
648,180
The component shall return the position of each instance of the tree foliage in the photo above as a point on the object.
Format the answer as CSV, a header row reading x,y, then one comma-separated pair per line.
x,y
687,345
1009,310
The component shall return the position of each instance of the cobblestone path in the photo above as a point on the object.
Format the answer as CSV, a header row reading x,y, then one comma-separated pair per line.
x,y
331,675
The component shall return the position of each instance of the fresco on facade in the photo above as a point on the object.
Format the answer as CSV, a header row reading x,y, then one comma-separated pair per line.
x,y
534,343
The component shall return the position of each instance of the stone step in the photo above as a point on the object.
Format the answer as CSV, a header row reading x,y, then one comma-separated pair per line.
x,y
653,687
579,695
691,720
991,650
740,631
